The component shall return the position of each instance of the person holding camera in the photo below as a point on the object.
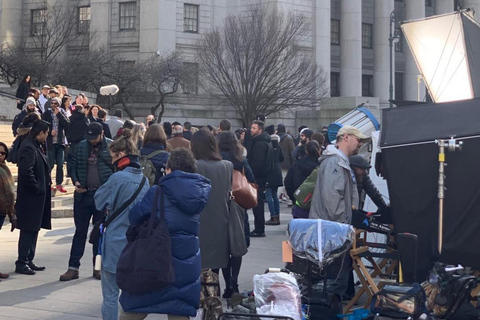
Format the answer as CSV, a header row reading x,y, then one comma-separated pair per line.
x,y
56,141
90,168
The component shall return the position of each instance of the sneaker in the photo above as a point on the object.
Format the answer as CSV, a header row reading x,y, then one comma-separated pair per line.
x,y
69,275
97,275
61,189
274,221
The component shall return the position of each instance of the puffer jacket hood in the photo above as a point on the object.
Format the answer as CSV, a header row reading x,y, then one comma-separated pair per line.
x,y
189,192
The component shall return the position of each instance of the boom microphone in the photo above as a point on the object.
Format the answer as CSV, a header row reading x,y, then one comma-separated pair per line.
x,y
109,90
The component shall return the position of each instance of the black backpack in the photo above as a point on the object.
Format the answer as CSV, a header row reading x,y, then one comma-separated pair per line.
x,y
145,264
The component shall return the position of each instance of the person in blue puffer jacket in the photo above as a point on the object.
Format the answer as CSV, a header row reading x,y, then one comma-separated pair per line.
x,y
186,195
156,140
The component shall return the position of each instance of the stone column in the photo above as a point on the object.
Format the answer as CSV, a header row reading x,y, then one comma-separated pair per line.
x,y
414,9
11,22
322,18
351,48
100,22
473,4
381,50
443,6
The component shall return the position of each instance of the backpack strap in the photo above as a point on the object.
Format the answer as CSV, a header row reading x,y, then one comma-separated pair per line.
x,y
125,204
153,154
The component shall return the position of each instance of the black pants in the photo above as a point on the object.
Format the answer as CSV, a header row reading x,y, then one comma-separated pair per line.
x,y
83,211
27,244
230,274
259,210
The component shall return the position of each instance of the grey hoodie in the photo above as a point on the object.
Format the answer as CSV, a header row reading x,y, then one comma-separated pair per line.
x,y
335,190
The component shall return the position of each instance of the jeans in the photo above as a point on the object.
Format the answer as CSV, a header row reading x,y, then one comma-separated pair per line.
x,y
259,210
273,202
27,244
82,213
110,292
56,154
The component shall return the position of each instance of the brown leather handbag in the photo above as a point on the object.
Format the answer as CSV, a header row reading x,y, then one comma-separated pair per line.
x,y
244,192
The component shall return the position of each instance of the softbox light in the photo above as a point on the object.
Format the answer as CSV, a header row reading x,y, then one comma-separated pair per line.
x,y
446,49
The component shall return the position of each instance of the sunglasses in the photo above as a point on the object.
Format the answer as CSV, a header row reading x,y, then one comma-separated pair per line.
x,y
3,154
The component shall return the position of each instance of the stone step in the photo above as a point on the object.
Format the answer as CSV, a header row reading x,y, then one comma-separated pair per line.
x,y
64,201
63,212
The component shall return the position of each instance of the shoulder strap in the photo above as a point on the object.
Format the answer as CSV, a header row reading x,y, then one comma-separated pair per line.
x,y
153,213
125,204
153,154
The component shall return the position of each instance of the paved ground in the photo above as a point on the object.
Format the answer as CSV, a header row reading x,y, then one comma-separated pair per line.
x,y
42,296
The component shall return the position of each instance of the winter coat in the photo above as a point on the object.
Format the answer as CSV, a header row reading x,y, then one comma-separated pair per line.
x,y
159,160
106,129
186,195
259,156
297,174
33,204
63,123
79,165
178,142
275,178
113,194
77,128
287,145
239,165
114,124
22,93
17,121
7,191
335,191
187,135
214,222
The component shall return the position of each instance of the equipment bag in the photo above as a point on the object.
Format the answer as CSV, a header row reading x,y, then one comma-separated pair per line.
x,y
145,264
399,301
304,193
149,169
210,295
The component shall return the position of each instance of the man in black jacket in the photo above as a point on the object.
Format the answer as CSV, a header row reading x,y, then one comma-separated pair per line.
x,y
33,205
29,108
261,160
59,122
76,130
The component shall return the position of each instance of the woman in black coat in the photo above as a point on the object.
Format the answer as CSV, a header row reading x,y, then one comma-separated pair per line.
x,y
33,204
22,91
299,171
274,179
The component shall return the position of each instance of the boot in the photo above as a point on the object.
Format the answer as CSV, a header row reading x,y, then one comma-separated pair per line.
x,y
274,221
97,275
69,275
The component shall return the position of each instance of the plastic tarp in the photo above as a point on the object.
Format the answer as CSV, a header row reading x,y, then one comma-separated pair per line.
x,y
319,240
446,49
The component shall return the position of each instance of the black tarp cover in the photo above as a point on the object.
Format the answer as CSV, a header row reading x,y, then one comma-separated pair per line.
x,y
412,177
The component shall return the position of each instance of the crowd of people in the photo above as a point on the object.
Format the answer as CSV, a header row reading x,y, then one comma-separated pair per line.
x,y
107,158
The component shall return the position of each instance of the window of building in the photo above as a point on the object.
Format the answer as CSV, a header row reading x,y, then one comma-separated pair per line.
x,y
334,84
399,84
367,85
83,19
399,43
191,71
190,18
335,32
367,35
39,22
128,14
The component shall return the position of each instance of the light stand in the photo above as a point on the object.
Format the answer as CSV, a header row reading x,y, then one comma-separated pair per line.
x,y
394,38
452,145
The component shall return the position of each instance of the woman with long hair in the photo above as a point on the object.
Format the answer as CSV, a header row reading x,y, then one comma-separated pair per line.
x,y
108,198
22,91
137,135
67,104
214,218
231,150
155,146
92,113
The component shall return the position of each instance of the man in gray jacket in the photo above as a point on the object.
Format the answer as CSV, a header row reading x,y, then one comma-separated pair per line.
x,y
335,191
335,194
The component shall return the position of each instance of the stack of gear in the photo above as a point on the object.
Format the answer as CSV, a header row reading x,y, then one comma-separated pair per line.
x,y
369,222
277,294
447,291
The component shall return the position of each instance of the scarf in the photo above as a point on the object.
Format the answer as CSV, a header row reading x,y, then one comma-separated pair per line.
x,y
7,191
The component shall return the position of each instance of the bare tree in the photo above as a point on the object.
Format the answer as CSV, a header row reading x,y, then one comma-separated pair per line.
x,y
255,62
165,74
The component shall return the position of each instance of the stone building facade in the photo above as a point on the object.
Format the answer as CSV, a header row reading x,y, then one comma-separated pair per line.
x,y
348,38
